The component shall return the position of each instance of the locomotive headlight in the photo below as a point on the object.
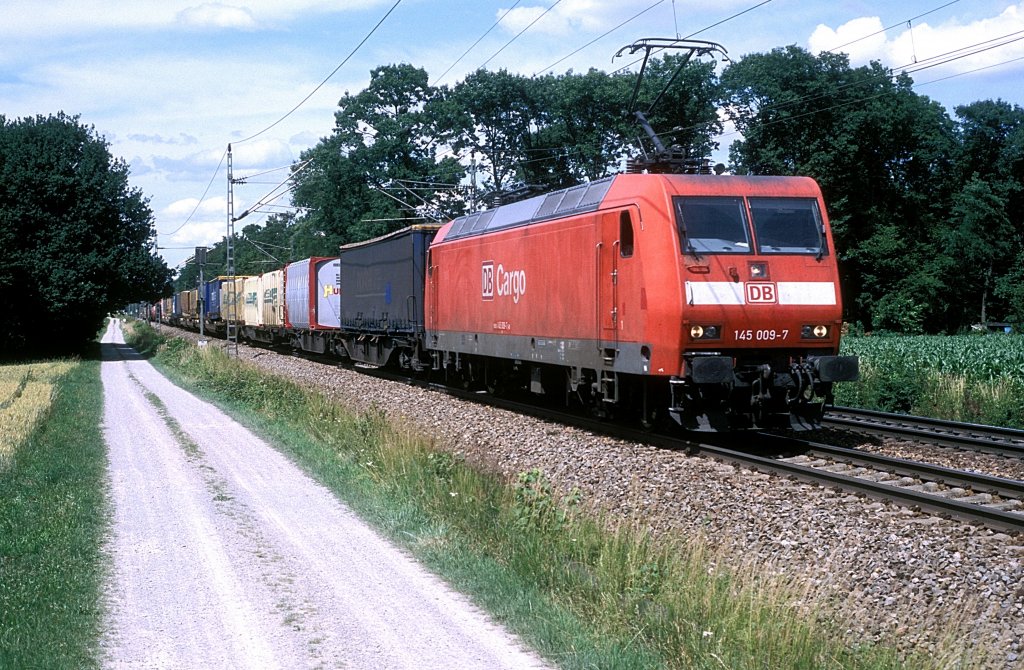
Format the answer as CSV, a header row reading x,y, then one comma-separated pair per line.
x,y
705,332
814,332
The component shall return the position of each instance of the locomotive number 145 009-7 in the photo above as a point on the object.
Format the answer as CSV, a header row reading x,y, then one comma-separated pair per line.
x,y
761,335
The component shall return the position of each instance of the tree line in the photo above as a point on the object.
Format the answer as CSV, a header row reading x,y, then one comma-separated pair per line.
x,y
76,240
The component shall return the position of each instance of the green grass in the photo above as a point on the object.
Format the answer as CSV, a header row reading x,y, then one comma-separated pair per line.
x,y
53,516
977,378
584,592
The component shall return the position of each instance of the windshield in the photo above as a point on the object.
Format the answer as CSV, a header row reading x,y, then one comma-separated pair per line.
x,y
711,225
787,225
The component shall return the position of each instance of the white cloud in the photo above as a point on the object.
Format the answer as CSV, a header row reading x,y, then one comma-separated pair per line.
x,y
205,227
946,44
861,38
569,17
216,15
196,234
28,19
183,208
263,154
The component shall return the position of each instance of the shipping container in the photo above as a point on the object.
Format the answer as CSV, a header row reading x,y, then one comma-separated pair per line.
x,y
312,294
382,299
272,293
252,313
190,305
211,294
383,281
232,297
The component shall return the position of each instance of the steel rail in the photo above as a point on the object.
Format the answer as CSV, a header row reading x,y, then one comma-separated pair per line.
x,y
993,439
976,481
988,516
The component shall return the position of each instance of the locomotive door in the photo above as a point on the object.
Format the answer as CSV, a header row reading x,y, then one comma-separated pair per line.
x,y
608,287
431,308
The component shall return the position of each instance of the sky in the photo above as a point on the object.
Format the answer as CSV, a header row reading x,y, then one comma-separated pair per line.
x,y
170,84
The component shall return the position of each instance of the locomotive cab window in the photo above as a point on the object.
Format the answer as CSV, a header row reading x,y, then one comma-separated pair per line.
x,y
714,225
787,226
625,234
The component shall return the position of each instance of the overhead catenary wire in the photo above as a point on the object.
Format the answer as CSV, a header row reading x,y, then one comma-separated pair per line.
x,y
202,197
895,25
519,34
910,68
473,46
869,98
270,197
600,37
328,78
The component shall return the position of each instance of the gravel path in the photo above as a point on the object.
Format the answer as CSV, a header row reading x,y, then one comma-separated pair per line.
x,y
892,574
225,555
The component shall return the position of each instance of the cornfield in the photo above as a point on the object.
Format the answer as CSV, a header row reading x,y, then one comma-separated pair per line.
x,y
26,392
964,378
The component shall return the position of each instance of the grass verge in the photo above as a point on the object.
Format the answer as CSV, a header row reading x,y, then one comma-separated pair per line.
x,y
52,518
583,595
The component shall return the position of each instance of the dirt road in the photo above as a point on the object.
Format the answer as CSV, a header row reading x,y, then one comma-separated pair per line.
x,y
225,555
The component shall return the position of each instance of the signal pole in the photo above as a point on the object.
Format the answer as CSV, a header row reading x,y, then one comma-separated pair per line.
x,y
229,248
201,294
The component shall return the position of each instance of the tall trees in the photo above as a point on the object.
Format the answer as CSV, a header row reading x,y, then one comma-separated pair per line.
x,y
76,241
380,170
987,223
882,155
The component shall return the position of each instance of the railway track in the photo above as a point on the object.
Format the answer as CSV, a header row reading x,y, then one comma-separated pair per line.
x,y
972,496
990,439
967,496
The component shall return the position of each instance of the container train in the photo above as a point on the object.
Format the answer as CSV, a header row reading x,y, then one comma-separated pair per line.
x,y
711,302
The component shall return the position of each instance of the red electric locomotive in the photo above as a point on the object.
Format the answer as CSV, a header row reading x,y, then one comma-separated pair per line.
x,y
710,299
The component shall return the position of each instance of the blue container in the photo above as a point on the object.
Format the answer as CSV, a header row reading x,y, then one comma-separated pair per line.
x,y
211,298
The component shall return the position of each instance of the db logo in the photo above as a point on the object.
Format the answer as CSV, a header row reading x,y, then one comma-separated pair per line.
x,y
487,280
761,293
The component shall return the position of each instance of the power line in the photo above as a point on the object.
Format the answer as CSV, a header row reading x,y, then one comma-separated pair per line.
x,y
333,72
545,13
202,197
884,30
880,95
271,197
486,33
960,74
909,68
632,18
